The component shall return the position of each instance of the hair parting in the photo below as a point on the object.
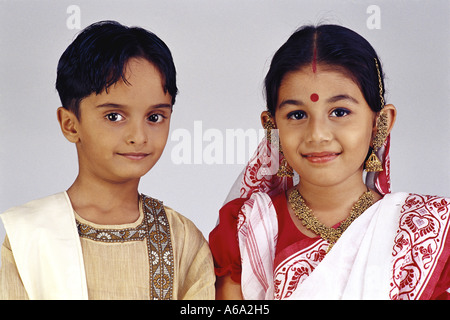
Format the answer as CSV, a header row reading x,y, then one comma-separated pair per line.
x,y
331,45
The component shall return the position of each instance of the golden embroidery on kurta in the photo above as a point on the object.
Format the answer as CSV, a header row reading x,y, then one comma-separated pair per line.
x,y
155,229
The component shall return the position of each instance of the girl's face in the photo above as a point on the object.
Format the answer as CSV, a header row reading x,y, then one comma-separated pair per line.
x,y
325,125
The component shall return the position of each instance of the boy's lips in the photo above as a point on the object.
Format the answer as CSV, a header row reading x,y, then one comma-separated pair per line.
x,y
321,157
134,155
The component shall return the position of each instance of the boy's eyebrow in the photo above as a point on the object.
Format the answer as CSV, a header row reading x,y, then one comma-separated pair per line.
x,y
109,105
118,106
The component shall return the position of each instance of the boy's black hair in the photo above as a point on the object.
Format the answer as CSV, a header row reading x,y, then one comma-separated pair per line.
x,y
331,45
95,60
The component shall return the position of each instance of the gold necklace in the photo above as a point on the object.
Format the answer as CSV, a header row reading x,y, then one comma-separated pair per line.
x,y
304,214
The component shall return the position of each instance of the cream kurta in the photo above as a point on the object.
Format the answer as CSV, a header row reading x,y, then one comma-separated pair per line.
x,y
121,269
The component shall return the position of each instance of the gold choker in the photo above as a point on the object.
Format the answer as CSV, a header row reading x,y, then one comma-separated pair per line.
x,y
304,213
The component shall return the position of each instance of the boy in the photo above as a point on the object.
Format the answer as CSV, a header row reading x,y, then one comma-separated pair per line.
x,y
101,239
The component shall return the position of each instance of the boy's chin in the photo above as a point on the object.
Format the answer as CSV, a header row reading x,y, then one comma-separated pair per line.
x,y
129,177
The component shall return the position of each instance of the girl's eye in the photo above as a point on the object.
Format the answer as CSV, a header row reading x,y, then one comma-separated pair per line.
x,y
155,118
296,115
340,112
114,117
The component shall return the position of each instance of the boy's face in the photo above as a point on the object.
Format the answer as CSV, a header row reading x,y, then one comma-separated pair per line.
x,y
122,132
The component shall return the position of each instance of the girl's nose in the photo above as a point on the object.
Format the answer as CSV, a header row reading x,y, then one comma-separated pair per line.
x,y
318,131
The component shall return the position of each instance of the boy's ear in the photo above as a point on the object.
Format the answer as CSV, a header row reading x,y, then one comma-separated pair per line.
x,y
69,124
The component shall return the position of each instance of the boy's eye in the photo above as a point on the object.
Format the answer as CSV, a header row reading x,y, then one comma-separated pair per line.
x,y
114,117
155,117
340,112
296,115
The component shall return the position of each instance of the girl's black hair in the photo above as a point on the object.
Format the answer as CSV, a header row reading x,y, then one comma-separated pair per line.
x,y
331,45
95,60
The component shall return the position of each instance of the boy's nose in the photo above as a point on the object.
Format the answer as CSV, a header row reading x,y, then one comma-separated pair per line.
x,y
137,135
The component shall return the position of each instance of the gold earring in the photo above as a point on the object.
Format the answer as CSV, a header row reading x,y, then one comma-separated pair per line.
x,y
373,164
268,126
285,170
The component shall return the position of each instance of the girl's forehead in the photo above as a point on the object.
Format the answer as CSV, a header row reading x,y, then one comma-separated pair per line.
x,y
324,78
324,85
321,68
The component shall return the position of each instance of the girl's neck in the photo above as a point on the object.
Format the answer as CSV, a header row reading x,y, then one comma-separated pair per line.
x,y
105,202
332,204
323,198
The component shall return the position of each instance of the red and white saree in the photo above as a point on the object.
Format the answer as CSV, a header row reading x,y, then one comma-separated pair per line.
x,y
399,248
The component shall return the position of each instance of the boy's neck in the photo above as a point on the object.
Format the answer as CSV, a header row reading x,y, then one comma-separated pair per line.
x,y
103,202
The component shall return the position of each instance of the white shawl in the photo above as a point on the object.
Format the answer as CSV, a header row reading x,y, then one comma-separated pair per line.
x,y
47,249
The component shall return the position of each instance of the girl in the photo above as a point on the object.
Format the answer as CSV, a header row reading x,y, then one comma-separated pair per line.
x,y
337,232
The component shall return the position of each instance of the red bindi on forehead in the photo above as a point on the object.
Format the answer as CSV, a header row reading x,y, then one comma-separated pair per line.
x,y
314,97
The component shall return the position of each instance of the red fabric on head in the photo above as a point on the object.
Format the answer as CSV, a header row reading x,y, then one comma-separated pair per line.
x,y
383,180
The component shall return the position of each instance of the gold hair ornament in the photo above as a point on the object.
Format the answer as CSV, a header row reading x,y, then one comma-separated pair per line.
x,y
373,164
380,85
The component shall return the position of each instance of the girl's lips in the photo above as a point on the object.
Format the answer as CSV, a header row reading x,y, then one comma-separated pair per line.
x,y
134,156
321,157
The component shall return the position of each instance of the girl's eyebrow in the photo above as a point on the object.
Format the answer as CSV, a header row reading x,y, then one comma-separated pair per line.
x,y
337,98
294,102
341,97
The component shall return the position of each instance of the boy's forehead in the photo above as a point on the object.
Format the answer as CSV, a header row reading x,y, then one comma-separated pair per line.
x,y
141,79
142,88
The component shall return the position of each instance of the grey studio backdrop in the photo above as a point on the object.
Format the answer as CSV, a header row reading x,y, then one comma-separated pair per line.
x,y
222,50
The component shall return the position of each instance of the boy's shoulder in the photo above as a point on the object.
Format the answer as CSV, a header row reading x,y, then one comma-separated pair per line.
x,y
177,218
36,218
180,225
38,208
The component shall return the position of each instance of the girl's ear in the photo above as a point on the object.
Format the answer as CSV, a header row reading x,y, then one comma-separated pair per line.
x,y
69,124
265,117
391,112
